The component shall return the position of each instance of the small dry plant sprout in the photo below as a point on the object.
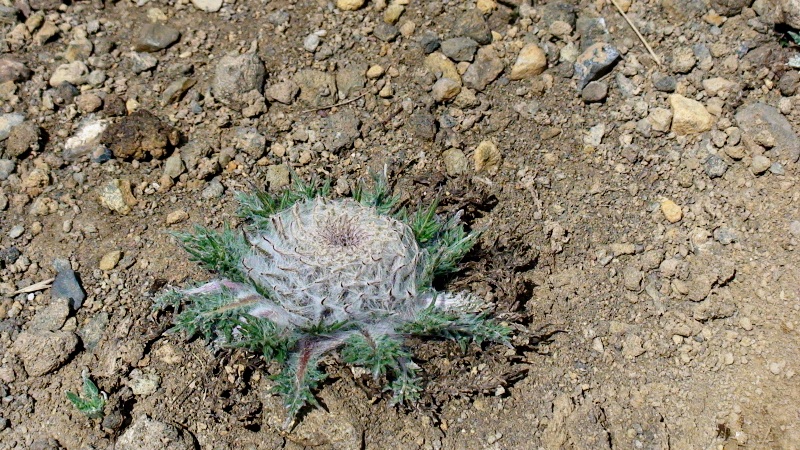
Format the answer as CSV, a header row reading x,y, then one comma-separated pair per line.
x,y
308,275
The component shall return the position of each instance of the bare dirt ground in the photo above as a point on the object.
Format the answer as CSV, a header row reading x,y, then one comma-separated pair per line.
x,y
640,233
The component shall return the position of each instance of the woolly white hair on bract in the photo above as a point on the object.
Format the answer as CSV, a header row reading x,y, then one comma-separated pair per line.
x,y
330,261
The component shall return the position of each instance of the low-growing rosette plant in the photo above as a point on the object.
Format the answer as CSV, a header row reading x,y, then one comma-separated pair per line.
x,y
307,275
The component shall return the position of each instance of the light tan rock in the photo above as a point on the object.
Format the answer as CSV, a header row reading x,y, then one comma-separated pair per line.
x,y
487,157
531,61
689,116
445,90
671,210
349,5
713,86
110,260
442,66
486,6
660,119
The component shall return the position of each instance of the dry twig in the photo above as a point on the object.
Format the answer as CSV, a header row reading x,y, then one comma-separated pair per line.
x,y
334,105
635,30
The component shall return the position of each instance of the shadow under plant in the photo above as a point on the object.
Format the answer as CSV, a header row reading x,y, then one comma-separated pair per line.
x,y
308,275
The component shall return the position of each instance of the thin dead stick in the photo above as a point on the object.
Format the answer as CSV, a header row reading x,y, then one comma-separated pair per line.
x,y
44,284
334,105
635,30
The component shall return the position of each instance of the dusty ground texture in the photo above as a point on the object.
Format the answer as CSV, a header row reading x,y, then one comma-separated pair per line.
x,y
640,233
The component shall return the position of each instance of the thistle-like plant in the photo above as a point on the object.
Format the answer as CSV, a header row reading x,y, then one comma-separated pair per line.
x,y
92,402
308,275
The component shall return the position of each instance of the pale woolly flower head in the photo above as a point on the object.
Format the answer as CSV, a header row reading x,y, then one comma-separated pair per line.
x,y
334,260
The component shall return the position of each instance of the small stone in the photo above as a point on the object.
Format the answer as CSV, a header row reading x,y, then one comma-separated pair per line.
x,y
155,36
429,43
249,140
342,130
149,434
530,62
759,117
736,152
672,212
349,5
208,5
316,86
277,176
311,42
86,139
794,228
714,86
177,216
8,122
423,126
560,29
472,25
143,384
92,332
13,70
484,70
236,75
745,323
9,256
393,12
142,62
140,135
117,196
109,260
46,33
43,351
78,50
375,72
660,119
689,116
683,59
22,139
385,32
74,73
665,83
486,6
760,164
594,62
715,166
16,231
459,49
283,92
445,90
213,190
632,346
595,91
350,80
776,168
52,317
88,102
725,235
175,90
788,84
487,157
441,66
632,278
455,162
66,284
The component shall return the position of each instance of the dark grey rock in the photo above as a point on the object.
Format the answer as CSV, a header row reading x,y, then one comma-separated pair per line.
x,y
342,129
101,154
484,70
66,284
564,12
429,43
757,117
238,74
154,37
595,62
595,91
9,256
664,83
460,48
423,125
592,31
471,24
385,32
715,166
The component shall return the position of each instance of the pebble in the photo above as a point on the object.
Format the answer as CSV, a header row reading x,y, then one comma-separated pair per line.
x,y
455,162
283,92
487,157
143,384
745,323
665,83
43,351
759,117
145,433
16,231
351,80
277,176
776,168
632,278
714,86
595,91
78,50
7,167
660,119
110,260
725,235
9,121
238,74
385,32
760,164
429,43
213,190
794,228
441,66
116,195
445,90
140,135
484,70
249,140
375,72
312,41
154,37
74,73
52,317
788,83
177,216
142,62
531,61
683,59
316,86
66,284
715,166
594,62
423,125
342,129
592,30
9,256
88,102
459,48
13,70
472,25
86,139
393,12
208,5
672,212
349,5
689,116
92,332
